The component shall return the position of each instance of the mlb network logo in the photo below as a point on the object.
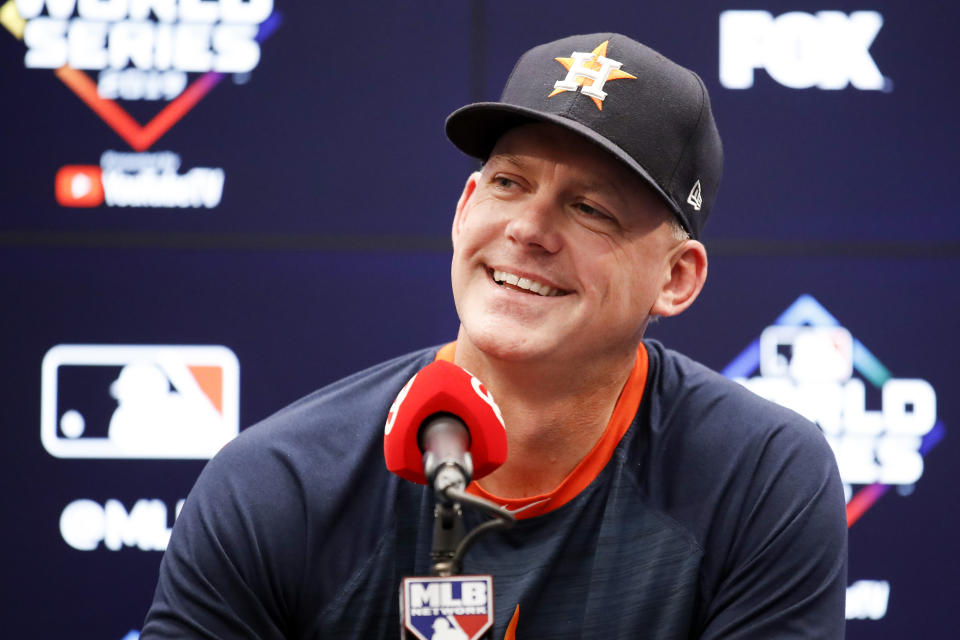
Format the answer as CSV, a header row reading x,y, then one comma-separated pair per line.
x,y
134,401
447,608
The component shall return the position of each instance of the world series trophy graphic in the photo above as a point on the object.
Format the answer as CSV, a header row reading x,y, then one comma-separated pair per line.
x,y
443,430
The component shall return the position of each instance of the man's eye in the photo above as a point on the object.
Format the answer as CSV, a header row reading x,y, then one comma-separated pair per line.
x,y
503,182
591,211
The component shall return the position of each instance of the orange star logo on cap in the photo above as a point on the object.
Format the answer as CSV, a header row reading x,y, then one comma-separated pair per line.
x,y
588,72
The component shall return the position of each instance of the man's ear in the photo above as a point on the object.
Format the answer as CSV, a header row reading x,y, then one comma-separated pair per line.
x,y
688,272
468,190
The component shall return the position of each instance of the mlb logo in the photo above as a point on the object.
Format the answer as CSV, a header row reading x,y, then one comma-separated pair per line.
x,y
806,353
447,608
137,401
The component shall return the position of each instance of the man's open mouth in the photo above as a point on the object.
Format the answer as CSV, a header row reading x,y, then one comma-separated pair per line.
x,y
506,279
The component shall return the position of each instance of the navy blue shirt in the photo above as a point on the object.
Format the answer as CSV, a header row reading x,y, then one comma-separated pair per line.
x,y
719,515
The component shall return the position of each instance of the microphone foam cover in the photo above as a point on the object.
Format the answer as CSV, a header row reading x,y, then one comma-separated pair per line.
x,y
443,387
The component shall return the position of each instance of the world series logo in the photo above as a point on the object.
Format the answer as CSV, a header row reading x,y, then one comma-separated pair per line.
x,y
879,426
808,362
172,51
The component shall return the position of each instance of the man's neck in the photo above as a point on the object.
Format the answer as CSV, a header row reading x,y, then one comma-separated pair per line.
x,y
553,417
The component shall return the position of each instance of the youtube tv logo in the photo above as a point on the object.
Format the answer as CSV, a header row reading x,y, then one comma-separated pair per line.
x,y
79,186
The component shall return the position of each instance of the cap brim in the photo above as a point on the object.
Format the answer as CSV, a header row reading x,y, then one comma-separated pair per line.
x,y
475,129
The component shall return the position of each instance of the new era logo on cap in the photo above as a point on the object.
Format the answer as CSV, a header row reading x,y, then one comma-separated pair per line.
x,y
695,199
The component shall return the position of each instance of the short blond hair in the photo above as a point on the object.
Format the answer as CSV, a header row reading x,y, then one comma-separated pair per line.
x,y
679,233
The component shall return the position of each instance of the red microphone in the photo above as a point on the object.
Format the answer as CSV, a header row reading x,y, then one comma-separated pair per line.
x,y
444,418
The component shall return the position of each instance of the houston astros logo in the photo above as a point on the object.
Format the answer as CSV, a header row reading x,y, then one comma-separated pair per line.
x,y
589,72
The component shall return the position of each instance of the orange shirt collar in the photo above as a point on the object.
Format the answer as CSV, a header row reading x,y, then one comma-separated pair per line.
x,y
593,463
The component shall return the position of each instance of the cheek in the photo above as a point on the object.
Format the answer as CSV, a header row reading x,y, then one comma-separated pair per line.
x,y
631,283
606,267
476,230
468,248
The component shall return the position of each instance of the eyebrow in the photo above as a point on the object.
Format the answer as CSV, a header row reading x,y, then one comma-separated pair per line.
x,y
610,188
602,186
509,158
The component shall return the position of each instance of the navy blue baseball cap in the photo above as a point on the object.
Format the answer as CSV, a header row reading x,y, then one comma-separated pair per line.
x,y
647,111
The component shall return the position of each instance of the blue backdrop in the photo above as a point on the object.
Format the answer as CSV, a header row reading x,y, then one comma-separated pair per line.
x,y
273,178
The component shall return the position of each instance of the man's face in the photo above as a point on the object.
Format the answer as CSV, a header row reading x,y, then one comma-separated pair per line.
x,y
560,252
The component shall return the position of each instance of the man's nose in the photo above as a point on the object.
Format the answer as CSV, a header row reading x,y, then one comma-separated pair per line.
x,y
537,224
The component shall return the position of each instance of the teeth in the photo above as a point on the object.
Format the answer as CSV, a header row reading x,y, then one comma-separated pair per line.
x,y
524,283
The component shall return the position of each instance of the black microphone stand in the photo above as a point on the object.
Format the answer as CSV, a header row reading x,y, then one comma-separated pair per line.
x,y
448,468
450,542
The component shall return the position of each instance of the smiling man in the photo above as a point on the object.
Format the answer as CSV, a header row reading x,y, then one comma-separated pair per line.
x,y
561,255
655,498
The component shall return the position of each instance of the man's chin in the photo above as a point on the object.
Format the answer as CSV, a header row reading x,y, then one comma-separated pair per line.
x,y
502,346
